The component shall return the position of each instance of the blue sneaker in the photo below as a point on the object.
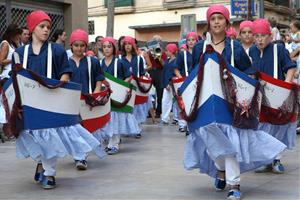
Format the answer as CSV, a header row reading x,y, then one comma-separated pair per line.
x,y
220,183
49,182
277,167
234,194
38,176
264,169
112,151
81,164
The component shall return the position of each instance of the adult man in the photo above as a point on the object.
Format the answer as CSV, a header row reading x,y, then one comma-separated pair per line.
x,y
24,36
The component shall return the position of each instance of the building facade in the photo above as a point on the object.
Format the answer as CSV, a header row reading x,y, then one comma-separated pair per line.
x,y
142,18
65,14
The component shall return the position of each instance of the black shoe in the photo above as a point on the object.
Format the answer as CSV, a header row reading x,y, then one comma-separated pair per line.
x,y
138,136
182,129
175,122
106,149
81,164
187,133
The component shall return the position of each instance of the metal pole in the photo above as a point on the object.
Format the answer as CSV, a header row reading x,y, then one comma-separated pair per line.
x,y
261,9
249,16
110,18
8,12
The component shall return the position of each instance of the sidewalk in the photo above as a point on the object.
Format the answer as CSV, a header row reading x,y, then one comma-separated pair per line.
x,y
146,168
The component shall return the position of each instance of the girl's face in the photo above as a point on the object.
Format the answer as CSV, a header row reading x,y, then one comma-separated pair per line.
x,y
42,31
108,48
78,48
191,42
128,47
246,35
63,37
293,28
168,53
217,23
262,40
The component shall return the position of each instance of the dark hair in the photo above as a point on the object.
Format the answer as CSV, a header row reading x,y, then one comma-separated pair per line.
x,y
24,28
96,39
273,22
296,23
11,32
119,41
57,33
124,53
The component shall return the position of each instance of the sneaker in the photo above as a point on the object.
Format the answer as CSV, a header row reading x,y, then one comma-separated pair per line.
x,y
277,167
264,168
81,164
220,183
106,149
175,122
138,136
187,133
38,176
113,151
164,123
48,182
182,129
234,194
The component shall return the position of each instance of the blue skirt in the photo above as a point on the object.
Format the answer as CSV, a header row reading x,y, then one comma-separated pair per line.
x,y
57,142
105,132
251,149
284,133
140,112
124,124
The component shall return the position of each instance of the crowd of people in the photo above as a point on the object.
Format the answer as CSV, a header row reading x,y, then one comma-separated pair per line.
x,y
220,150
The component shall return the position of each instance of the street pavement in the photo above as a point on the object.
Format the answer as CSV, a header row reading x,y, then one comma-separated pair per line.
x,y
146,168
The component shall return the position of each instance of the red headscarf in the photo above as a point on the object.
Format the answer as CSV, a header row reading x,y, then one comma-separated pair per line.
x,y
191,34
261,26
129,40
172,48
246,24
79,35
231,32
217,9
109,39
36,17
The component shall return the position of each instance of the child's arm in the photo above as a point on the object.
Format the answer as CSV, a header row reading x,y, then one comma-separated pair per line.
x,y
290,75
177,73
297,40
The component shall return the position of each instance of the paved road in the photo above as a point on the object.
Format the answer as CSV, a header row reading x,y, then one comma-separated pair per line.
x,y
147,168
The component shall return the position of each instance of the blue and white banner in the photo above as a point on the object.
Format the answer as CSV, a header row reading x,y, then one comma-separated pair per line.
x,y
213,108
43,107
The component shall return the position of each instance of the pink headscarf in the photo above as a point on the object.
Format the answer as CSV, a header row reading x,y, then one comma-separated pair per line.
x,y
109,39
129,40
231,32
79,35
217,9
183,46
261,26
191,34
246,24
172,48
36,17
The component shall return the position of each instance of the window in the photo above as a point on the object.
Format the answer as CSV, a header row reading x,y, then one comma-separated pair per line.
x,y
121,3
91,27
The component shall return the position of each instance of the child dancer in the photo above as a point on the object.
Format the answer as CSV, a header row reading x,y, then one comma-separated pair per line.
x,y
262,55
168,73
221,150
135,65
46,145
123,123
246,35
184,66
79,64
